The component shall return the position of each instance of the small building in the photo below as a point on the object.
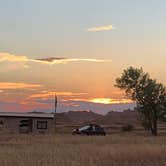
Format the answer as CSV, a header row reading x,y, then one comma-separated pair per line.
x,y
27,122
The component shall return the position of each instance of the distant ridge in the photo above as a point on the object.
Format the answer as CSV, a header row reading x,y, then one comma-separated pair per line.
x,y
112,117
82,116
125,117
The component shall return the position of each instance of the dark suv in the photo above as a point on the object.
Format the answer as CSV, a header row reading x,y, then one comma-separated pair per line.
x,y
90,129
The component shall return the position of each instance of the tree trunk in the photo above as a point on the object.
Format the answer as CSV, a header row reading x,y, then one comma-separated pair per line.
x,y
154,124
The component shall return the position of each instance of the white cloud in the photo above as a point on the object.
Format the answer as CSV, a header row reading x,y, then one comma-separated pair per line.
x,y
6,57
101,28
12,58
54,60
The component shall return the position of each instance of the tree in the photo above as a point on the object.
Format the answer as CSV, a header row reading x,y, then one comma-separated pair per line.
x,y
149,95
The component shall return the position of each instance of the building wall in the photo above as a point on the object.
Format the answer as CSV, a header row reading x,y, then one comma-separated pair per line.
x,y
12,124
50,126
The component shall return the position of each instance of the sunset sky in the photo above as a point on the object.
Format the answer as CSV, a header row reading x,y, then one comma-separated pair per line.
x,y
77,48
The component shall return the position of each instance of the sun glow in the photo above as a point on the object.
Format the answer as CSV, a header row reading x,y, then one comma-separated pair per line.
x,y
110,101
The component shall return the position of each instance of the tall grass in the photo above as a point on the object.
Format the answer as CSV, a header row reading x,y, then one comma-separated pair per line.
x,y
68,150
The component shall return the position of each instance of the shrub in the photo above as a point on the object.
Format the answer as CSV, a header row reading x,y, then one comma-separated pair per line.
x,y
127,127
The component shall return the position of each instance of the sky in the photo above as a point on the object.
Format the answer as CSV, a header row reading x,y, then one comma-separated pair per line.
x,y
77,49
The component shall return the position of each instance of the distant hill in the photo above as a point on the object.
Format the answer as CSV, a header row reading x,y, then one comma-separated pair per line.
x,y
62,118
112,117
125,117
82,116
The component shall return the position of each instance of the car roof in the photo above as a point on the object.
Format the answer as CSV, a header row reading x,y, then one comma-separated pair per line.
x,y
91,124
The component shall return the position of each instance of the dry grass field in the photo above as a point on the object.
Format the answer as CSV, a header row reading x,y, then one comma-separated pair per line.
x,y
125,149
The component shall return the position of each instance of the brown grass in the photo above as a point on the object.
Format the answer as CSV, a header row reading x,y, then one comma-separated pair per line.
x,y
67,150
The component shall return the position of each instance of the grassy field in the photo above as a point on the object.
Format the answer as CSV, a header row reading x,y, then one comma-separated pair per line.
x,y
67,150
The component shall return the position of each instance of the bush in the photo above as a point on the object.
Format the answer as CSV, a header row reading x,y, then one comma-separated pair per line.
x,y
127,127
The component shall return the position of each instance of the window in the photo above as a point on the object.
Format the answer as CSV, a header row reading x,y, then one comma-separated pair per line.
x,y
24,123
25,126
84,128
1,124
41,124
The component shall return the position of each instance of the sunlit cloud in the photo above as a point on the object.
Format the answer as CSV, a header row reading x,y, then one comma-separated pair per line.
x,y
101,28
41,99
104,100
54,60
14,85
77,97
51,94
110,101
12,58
6,57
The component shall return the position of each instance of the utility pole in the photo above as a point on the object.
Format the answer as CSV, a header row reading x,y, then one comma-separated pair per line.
x,y
55,102
55,107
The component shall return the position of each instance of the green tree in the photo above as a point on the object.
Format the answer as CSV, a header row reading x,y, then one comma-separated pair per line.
x,y
149,96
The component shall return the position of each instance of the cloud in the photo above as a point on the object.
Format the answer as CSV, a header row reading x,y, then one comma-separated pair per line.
x,y
51,59
14,85
12,58
110,101
101,28
50,94
6,57
12,106
104,100
47,97
43,100
54,60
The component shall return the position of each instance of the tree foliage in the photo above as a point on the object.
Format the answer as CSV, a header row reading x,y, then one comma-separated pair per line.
x,y
149,95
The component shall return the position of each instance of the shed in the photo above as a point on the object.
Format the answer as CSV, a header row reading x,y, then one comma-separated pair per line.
x,y
14,122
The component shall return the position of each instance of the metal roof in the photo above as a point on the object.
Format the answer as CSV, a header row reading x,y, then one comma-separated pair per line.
x,y
28,115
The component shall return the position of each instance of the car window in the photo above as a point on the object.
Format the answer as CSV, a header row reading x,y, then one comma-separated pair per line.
x,y
93,128
84,128
98,128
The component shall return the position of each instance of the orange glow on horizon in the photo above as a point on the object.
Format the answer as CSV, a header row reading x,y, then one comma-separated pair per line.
x,y
105,100
110,101
15,85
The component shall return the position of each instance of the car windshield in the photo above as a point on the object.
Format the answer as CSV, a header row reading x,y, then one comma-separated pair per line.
x,y
84,128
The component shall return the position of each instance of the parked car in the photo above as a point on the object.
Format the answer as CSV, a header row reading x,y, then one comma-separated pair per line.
x,y
90,129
